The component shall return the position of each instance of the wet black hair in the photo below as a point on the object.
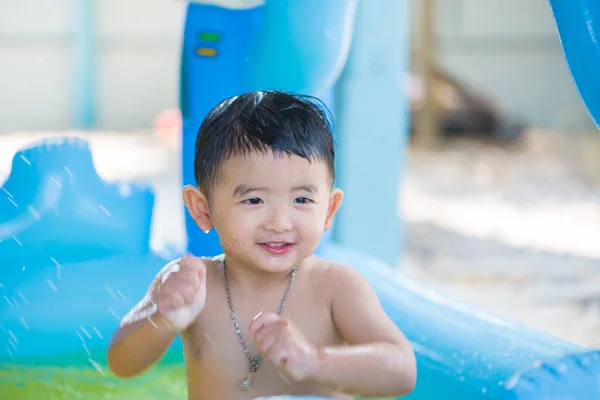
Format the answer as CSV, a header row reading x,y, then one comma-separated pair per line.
x,y
260,121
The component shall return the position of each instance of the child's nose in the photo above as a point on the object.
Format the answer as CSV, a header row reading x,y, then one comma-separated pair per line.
x,y
278,221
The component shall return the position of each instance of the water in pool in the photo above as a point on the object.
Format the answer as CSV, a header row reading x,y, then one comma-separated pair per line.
x,y
59,383
56,383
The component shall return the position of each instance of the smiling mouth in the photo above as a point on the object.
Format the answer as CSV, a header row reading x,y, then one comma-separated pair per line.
x,y
276,248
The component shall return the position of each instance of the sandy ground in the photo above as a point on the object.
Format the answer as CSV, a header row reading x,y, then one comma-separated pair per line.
x,y
515,231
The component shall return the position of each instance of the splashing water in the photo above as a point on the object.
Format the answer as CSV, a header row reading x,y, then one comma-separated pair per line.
x,y
51,284
97,332
17,240
25,159
58,267
55,181
34,213
104,210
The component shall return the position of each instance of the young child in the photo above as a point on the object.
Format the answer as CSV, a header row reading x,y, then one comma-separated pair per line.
x,y
268,317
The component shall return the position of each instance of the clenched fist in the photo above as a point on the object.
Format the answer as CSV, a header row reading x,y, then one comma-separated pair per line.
x,y
282,342
181,294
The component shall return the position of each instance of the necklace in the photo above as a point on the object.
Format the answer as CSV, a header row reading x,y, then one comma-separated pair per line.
x,y
253,362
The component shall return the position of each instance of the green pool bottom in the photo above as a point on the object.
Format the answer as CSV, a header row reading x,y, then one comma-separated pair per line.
x,y
59,383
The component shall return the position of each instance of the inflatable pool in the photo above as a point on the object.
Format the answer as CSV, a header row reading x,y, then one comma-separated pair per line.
x,y
578,25
75,254
59,312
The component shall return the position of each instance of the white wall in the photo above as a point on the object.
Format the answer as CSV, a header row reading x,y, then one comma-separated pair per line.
x,y
138,62
509,50
34,64
140,44
506,48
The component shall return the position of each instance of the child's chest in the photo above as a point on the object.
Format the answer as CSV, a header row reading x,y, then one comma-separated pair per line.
x,y
225,321
223,342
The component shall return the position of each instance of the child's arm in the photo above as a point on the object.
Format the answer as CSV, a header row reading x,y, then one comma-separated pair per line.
x,y
174,300
140,341
378,360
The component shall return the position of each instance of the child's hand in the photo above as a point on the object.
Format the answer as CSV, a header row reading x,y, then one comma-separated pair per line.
x,y
181,296
281,342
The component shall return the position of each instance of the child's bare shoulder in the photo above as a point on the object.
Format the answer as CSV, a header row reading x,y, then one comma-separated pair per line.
x,y
335,275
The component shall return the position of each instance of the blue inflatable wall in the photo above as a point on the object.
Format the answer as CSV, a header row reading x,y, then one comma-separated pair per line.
x,y
66,313
578,24
54,198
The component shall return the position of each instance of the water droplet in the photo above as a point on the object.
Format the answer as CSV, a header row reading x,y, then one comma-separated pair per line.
x,y
114,314
57,267
25,159
151,322
104,209
17,240
6,191
55,181
97,332
110,291
12,335
34,213
21,295
51,284
9,351
85,332
25,324
283,377
83,343
210,340
96,366
8,301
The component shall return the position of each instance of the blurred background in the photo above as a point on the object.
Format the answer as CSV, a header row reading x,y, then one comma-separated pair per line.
x,y
500,196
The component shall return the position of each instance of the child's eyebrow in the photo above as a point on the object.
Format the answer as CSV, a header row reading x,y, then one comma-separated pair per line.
x,y
243,189
306,188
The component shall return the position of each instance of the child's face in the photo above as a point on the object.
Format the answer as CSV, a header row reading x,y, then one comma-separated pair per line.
x,y
269,211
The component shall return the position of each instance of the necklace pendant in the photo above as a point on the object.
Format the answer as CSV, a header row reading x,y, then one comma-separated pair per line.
x,y
246,383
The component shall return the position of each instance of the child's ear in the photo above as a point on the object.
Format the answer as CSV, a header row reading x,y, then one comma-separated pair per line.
x,y
335,201
197,205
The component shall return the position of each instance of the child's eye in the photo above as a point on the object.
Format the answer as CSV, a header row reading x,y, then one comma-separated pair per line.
x,y
302,200
253,201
